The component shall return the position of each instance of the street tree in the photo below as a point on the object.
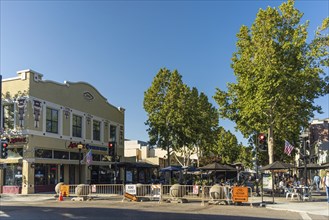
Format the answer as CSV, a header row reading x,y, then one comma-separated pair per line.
x,y
179,118
278,77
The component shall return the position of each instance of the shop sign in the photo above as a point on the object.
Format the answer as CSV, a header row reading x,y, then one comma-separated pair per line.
x,y
87,146
17,140
240,194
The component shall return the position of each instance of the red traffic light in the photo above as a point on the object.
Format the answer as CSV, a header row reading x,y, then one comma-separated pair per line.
x,y
261,137
4,145
111,144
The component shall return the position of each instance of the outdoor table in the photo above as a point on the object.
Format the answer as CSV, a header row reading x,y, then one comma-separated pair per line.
x,y
301,191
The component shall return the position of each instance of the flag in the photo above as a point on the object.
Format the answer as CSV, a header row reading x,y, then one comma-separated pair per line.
x,y
288,148
89,157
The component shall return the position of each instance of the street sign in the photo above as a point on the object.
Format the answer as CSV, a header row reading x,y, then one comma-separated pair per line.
x,y
240,194
65,190
131,189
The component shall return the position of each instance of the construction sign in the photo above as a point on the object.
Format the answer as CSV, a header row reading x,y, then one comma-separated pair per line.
x,y
130,196
65,189
240,194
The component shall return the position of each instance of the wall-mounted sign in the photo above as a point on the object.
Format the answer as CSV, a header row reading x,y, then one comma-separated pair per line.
x,y
86,146
17,140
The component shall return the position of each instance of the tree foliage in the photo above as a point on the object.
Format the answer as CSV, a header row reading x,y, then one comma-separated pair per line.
x,y
179,118
278,77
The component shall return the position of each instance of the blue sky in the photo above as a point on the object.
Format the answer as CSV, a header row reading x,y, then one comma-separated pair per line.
x,y
119,46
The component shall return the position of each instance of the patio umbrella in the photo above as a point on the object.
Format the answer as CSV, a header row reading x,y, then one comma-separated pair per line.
x,y
218,167
276,165
312,166
213,166
171,168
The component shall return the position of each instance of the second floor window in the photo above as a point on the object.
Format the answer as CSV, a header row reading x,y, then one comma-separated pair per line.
x,y
52,120
8,116
96,130
77,126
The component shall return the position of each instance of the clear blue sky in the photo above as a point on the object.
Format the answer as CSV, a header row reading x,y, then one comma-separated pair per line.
x,y
119,46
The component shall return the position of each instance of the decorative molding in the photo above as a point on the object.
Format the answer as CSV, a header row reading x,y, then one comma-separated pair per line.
x,y
88,96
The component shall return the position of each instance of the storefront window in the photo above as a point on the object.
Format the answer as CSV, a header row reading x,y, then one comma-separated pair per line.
x,y
41,153
13,175
15,152
53,174
40,174
96,157
61,155
74,156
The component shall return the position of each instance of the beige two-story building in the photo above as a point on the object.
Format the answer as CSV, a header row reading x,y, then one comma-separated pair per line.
x,y
51,127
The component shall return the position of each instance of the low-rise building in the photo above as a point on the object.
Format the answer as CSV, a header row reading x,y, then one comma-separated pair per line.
x,y
57,133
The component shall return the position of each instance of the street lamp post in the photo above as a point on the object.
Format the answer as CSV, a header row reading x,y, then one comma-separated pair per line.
x,y
238,167
304,136
80,146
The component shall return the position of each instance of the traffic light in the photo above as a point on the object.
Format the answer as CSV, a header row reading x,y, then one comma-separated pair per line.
x,y
4,149
262,142
111,148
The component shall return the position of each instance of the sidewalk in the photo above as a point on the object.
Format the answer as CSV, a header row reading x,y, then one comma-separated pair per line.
x,y
318,206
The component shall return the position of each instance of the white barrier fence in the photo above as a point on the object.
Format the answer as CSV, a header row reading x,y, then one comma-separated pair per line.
x,y
215,194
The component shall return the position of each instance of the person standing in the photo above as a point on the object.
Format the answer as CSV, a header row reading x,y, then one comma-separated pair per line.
x,y
326,184
316,180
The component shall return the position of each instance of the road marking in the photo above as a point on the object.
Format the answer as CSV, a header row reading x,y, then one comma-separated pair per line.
x,y
2,214
305,216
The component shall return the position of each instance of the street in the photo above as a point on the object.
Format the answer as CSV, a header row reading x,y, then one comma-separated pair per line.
x,y
109,209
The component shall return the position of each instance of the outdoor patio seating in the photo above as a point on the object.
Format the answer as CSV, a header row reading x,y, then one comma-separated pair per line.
x,y
292,193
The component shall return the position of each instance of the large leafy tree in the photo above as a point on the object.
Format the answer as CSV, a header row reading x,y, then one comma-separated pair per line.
x,y
179,118
278,77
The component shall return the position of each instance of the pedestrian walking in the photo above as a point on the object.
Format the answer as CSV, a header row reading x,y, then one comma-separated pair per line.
x,y
316,180
326,184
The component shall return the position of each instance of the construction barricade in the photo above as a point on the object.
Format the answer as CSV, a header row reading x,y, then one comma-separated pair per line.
x,y
226,195
142,192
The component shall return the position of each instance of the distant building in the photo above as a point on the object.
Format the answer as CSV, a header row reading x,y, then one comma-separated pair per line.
x,y
45,123
140,151
319,141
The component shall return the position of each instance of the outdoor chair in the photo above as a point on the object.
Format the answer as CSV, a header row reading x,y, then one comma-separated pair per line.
x,y
308,195
292,194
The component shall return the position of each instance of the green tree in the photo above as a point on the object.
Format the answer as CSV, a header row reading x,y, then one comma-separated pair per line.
x,y
278,77
227,146
179,118
163,104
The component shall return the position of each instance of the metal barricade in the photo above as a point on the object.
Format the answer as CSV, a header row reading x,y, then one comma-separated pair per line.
x,y
106,190
142,192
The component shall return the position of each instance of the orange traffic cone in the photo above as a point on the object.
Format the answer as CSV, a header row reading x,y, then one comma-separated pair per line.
x,y
60,198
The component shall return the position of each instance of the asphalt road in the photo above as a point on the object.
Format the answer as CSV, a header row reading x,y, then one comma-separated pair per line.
x,y
105,209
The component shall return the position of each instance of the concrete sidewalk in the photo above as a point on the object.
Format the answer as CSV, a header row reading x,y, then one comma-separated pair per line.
x,y
318,205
